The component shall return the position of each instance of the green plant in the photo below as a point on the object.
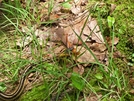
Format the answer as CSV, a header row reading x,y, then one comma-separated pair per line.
x,y
108,78
131,59
105,82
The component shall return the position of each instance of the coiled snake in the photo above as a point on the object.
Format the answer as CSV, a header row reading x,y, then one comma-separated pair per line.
x,y
19,90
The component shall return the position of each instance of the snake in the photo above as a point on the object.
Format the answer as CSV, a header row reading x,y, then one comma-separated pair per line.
x,y
16,94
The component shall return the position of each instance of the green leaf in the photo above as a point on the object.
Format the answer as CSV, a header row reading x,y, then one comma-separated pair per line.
x,y
67,5
2,86
77,81
133,55
111,21
104,84
97,88
49,66
129,64
99,76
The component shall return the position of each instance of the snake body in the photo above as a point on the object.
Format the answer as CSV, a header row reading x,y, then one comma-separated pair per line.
x,y
19,90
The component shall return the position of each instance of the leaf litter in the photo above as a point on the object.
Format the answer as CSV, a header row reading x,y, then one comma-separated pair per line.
x,y
72,32
74,29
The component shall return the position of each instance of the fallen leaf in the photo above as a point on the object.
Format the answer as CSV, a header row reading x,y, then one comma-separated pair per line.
x,y
76,9
79,69
112,8
117,54
112,41
102,56
93,97
132,91
85,56
24,41
98,47
42,36
96,34
131,82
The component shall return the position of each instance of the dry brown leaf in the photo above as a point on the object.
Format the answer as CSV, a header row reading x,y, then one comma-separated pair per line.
x,y
96,34
86,31
55,35
72,37
69,36
76,9
1,1
59,49
60,1
71,32
24,41
117,54
84,2
110,41
101,56
42,36
98,47
113,6
60,34
3,78
80,2
93,97
85,56
76,28
79,69
54,17
131,82
56,7
132,91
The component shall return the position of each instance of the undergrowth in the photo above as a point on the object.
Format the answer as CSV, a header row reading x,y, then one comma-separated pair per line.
x,y
105,82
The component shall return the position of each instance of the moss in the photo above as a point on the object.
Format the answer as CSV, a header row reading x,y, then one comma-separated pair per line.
x,y
123,26
36,94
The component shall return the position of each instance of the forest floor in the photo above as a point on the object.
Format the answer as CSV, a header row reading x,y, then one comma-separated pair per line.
x,y
82,50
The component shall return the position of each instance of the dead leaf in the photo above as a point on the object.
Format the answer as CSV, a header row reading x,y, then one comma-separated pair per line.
x,y
79,69
61,35
54,17
59,50
85,56
93,97
96,34
113,6
80,2
76,9
24,41
84,2
60,1
117,54
100,55
98,47
132,91
111,41
1,1
131,82
42,35
72,37
74,30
